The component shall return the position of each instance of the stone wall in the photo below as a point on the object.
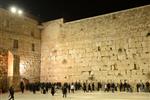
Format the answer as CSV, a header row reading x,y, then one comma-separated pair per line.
x,y
25,31
3,69
48,42
109,47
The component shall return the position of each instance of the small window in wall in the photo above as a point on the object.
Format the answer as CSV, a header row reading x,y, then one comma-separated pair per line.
x,y
15,44
33,47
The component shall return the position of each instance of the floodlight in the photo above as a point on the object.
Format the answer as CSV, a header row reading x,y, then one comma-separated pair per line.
x,y
20,12
13,10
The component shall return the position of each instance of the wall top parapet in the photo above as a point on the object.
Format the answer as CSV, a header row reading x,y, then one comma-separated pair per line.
x,y
60,20
108,14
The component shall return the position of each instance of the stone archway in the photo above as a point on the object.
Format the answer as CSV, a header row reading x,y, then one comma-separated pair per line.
x,y
13,70
9,70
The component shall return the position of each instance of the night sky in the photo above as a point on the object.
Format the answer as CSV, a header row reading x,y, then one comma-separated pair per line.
x,y
46,10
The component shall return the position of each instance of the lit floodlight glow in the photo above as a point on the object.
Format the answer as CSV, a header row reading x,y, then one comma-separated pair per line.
x,y
20,12
13,10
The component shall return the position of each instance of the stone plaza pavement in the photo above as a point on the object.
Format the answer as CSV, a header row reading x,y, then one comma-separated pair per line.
x,y
79,96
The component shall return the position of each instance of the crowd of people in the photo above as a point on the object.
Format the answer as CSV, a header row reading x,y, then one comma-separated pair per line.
x,y
85,86
89,87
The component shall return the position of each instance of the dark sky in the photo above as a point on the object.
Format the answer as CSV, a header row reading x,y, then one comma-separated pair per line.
x,y
47,10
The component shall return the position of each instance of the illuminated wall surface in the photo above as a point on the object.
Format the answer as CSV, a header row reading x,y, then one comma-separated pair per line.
x,y
109,47
20,35
3,68
9,70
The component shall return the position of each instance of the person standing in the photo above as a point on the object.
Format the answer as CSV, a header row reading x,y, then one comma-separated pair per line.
x,y
72,88
93,86
105,87
84,87
69,88
89,87
34,88
121,86
52,90
138,87
147,84
113,87
43,90
22,86
64,91
46,86
11,93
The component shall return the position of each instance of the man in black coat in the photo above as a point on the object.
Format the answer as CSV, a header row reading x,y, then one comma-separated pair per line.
x,y
89,87
22,86
52,90
84,87
147,84
11,93
64,91
93,86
